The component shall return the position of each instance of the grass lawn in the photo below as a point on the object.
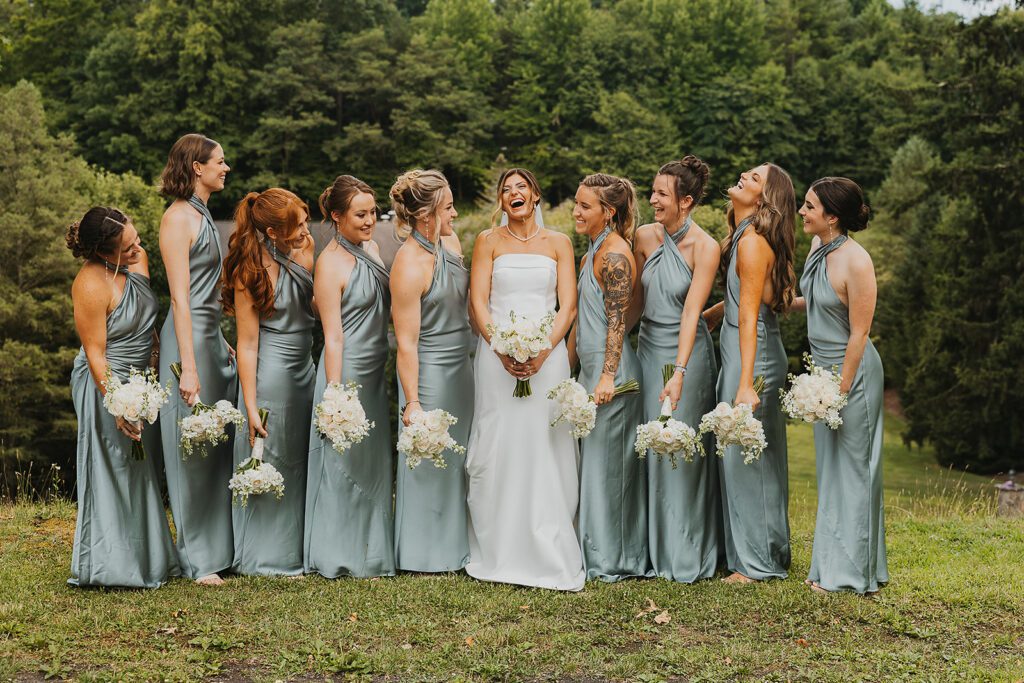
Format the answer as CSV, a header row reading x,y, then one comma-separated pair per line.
x,y
954,611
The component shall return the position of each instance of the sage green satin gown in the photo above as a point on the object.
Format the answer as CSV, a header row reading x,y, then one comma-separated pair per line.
x,y
849,534
613,481
198,487
431,532
268,531
121,534
684,504
350,523
755,496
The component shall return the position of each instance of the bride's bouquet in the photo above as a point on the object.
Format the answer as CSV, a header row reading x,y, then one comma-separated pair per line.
x,y
253,477
736,426
340,416
577,408
814,396
521,338
138,399
427,437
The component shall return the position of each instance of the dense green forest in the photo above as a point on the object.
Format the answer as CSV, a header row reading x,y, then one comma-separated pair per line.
x,y
922,108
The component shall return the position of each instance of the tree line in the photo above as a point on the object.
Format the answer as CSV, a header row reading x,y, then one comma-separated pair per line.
x,y
921,108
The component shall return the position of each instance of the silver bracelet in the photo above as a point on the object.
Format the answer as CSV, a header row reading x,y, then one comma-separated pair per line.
x,y
680,368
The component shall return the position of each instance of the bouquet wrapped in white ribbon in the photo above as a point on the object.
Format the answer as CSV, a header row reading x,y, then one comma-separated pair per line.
x,y
814,396
427,437
577,408
521,338
668,437
137,400
340,416
736,426
253,477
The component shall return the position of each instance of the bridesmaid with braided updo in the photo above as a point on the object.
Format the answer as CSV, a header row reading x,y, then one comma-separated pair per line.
x,y
839,290
268,286
429,293
349,525
121,535
191,252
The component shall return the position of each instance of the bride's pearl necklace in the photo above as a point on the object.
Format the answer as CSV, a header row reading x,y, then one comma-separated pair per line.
x,y
522,239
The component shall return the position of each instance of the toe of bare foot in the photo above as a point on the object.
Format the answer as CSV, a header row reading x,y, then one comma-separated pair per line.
x,y
738,578
818,589
210,580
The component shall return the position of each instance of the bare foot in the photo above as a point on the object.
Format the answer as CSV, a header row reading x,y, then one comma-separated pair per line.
x,y
818,589
736,577
210,580
296,577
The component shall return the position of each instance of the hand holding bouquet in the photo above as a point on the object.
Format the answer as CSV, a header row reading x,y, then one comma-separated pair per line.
x,y
138,399
253,477
577,408
207,425
736,426
427,437
340,416
523,339
667,436
814,396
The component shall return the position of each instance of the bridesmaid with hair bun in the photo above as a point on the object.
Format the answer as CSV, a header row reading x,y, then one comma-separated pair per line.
x,y
839,291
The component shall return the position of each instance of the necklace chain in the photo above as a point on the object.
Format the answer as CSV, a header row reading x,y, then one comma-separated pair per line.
x,y
522,239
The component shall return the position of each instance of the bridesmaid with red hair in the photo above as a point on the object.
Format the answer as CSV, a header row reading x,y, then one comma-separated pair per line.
x,y
268,287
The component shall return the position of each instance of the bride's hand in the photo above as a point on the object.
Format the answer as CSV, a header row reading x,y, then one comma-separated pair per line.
x,y
532,366
509,363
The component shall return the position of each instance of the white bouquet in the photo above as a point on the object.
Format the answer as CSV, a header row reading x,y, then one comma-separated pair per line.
x,y
814,396
253,477
427,437
138,399
207,425
577,408
340,416
521,338
667,436
736,426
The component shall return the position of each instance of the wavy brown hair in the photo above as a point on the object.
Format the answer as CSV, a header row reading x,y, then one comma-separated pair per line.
x,y
618,194
775,220
178,179
276,209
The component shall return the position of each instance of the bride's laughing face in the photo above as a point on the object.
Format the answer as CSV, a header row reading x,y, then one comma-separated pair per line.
x,y
590,216
517,199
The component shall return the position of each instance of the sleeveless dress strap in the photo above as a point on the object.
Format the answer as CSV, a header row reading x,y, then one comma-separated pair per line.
x,y
379,271
440,264
288,263
198,204
817,257
595,245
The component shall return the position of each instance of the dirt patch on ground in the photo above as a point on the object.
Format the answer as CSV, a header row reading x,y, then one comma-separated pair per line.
x,y
61,529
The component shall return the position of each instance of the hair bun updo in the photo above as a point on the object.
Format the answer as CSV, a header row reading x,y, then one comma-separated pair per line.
x,y
415,192
844,199
691,176
99,231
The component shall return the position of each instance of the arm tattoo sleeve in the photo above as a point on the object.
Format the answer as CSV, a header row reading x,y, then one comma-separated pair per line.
x,y
618,289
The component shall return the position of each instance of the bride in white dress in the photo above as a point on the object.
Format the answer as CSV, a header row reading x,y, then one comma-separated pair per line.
x,y
523,473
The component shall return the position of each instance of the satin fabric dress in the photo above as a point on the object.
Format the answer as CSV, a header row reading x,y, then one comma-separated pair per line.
x,y
431,518
755,496
268,531
684,504
523,473
849,534
350,522
613,480
198,487
121,534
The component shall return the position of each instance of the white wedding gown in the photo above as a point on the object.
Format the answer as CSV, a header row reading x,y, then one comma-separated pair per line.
x,y
523,473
